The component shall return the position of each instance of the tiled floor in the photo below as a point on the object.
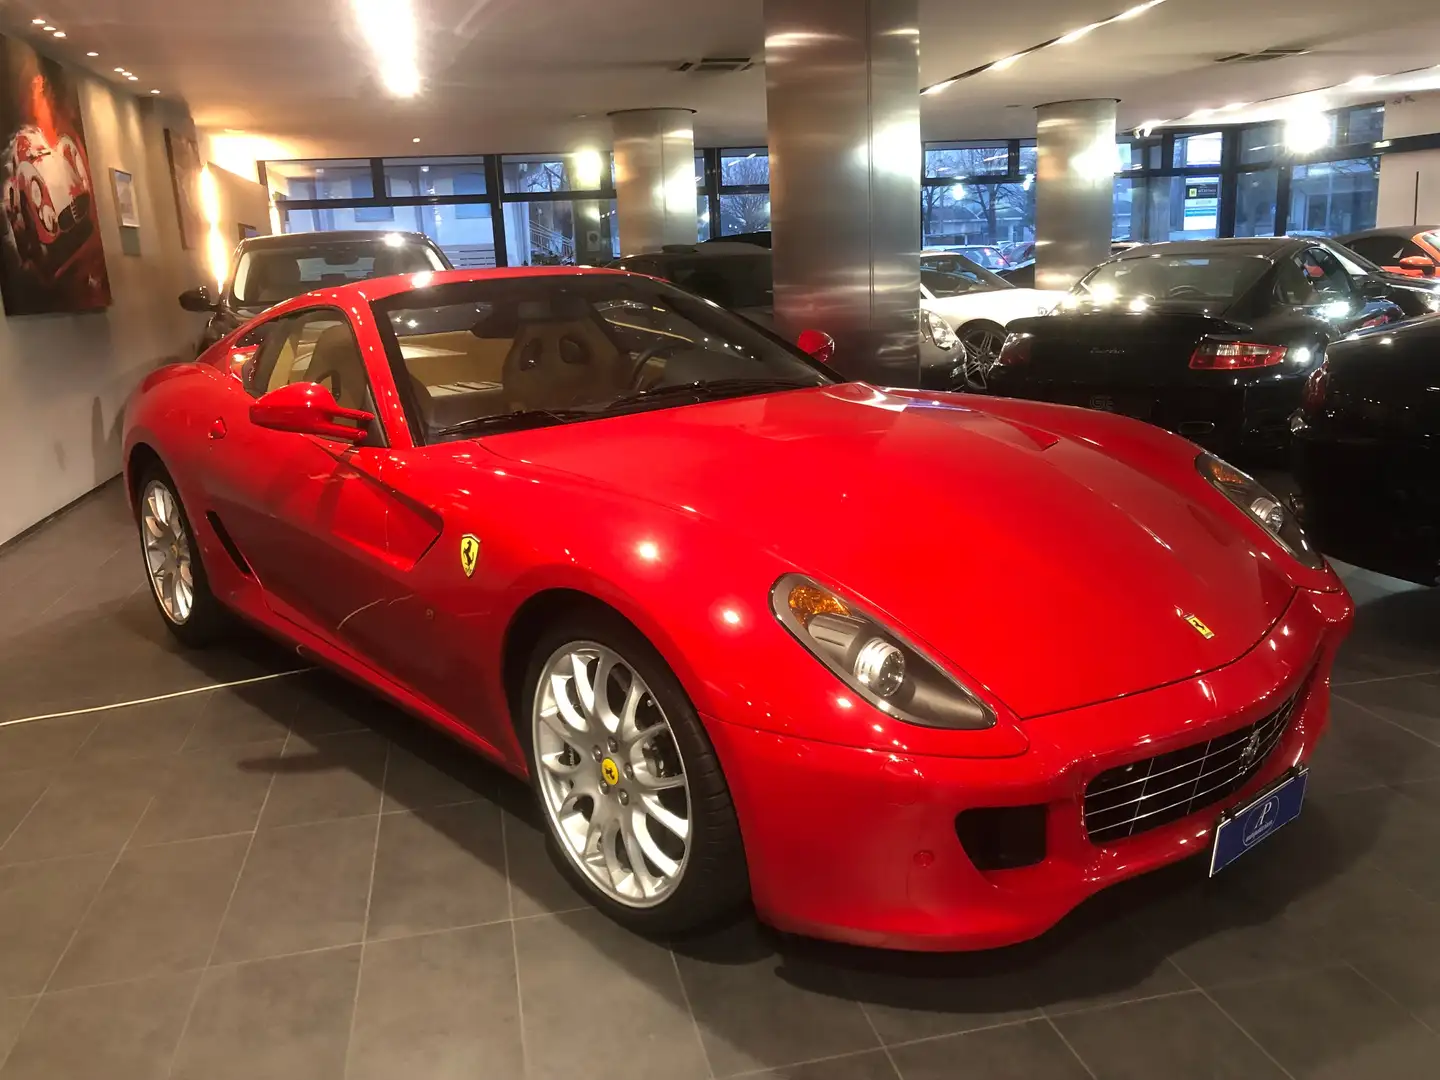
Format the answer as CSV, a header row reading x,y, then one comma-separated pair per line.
x,y
284,878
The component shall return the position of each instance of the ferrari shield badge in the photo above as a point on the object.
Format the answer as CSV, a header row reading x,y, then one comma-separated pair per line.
x,y
469,553
1199,627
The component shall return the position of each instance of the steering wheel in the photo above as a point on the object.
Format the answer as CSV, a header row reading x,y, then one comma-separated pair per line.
x,y
1184,290
645,357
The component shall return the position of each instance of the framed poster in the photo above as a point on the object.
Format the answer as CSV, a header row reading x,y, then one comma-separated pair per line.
x,y
51,259
185,176
125,207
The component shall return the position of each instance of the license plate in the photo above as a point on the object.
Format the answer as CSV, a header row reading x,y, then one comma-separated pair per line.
x,y
1139,408
1242,828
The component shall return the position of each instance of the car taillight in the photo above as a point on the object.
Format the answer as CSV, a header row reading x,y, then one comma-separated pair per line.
x,y
1016,350
1235,356
1316,387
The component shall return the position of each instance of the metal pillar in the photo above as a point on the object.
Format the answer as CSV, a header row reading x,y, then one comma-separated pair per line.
x,y
1075,189
654,177
842,91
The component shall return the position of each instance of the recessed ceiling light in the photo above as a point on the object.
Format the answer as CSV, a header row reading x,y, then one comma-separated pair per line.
x,y
416,139
59,33
937,88
133,78
47,26
92,54
120,70
1004,62
154,91
39,22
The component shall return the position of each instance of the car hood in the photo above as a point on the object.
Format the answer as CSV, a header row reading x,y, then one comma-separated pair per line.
x,y
997,305
1048,571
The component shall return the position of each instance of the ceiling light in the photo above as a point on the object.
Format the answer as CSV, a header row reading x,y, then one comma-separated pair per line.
x,y
39,22
1362,80
388,27
120,70
1147,128
92,54
1306,132
59,33
47,26
1002,64
1075,35
154,91
133,78
938,88
416,139
1138,9
1233,106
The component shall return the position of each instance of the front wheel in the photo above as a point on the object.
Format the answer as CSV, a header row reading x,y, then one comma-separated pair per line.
x,y
628,783
982,341
172,563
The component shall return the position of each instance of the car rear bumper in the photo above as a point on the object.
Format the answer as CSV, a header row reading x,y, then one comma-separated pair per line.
x,y
863,847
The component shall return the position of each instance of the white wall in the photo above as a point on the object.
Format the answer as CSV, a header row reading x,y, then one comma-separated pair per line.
x,y
1410,183
65,378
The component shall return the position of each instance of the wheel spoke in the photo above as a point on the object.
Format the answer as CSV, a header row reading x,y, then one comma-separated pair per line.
x,y
626,730
646,778
635,851
671,821
639,832
584,689
555,763
568,716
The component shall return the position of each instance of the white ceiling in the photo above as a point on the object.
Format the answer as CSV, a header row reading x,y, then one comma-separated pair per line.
x,y
539,75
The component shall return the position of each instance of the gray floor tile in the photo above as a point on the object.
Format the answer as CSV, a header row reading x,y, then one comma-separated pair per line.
x,y
258,712
87,810
41,904
537,886
922,996
1387,751
325,777
209,793
282,1018
43,744
870,1065
304,887
436,1005
1333,1025
1180,1038
19,792
1086,966
14,1012
1407,968
633,977
1028,1051
326,704
158,727
125,1031
158,913
758,1008
437,869
1413,703
412,783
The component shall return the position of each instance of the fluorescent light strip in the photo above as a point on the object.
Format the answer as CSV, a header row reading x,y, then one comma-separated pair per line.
x,y
1063,39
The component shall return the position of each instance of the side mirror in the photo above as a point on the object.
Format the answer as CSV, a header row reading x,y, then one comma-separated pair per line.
x,y
818,344
198,299
1423,263
309,409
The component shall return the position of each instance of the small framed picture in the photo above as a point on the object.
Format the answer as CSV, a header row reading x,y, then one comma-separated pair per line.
x,y
246,231
125,206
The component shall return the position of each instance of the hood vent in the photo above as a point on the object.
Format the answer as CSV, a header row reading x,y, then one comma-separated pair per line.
x,y
716,65
1260,57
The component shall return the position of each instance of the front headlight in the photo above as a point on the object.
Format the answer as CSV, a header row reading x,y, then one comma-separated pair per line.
x,y
1262,507
876,663
940,332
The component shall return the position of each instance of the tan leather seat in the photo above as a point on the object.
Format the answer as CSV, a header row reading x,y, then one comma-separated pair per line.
x,y
560,365
336,364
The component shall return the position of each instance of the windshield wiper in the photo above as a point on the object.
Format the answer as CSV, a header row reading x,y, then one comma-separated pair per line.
x,y
519,420
710,390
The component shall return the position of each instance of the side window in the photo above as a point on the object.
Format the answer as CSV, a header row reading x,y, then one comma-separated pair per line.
x,y
1312,277
1381,250
318,347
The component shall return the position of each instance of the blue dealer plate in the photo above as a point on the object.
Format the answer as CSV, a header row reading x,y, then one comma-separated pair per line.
x,y
1244,827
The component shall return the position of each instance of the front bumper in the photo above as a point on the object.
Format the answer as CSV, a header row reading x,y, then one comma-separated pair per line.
x,y
861,846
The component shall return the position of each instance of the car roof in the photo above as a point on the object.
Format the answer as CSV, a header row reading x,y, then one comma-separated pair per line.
x,y
338,236
1256,246
371,289
1405,231
709,249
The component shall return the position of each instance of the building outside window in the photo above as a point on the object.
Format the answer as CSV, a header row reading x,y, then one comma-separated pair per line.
x,y
1334,197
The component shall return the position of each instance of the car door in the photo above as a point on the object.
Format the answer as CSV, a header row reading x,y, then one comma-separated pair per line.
x,y
308,514
1313,282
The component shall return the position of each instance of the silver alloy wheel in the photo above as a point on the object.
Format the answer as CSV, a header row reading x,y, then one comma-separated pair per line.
x,y
167,552
610,773
982,349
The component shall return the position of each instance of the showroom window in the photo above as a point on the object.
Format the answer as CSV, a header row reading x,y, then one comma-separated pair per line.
x,y
1334,197
959,160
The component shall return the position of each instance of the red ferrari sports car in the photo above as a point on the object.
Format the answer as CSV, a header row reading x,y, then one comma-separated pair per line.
x,y
706,596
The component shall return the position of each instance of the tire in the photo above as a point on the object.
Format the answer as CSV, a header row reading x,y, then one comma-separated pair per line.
x,y
712,880
982,345
203,620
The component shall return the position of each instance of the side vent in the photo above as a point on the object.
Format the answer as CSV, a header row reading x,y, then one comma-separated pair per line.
x,y
715,65
1261,57
228,543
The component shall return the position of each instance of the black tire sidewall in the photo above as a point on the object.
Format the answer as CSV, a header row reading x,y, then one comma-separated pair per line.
x,y
715,881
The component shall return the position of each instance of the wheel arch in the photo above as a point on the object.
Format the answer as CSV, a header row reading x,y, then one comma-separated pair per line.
x,y
141,458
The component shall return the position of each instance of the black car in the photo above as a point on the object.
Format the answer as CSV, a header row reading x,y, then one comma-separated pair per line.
x,y
268,269
1366,451
1022,274
739,275
1212,339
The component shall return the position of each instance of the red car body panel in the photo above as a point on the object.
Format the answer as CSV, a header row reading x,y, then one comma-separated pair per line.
x,y
1045,556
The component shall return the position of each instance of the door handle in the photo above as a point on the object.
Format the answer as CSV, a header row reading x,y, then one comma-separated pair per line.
x,y
217,429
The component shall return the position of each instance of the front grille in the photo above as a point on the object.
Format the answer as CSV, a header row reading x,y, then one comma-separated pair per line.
x,y
1146,794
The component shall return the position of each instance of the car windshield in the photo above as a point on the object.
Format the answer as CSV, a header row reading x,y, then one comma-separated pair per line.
x,y
1172,277
732,281
268,274
481,357
953,274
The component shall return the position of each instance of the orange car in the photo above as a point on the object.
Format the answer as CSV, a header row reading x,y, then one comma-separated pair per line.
x,y
1401,249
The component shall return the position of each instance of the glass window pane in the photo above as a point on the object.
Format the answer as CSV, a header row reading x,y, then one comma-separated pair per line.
x,y
745,165
1365,124
1333,197
984,217
944,160
702,217
1183,208
561,232
1255,203
410,177
1028,157
1202,148
585,170
1125,224
465,233
1259,143
699,170
744,213
339,179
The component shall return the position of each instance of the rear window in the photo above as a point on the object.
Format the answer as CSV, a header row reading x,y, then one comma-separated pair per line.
x,y
267,275
1173,277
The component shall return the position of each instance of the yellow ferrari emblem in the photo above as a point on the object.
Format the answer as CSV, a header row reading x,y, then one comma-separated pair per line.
x,y
469,554
610,771
1200,628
